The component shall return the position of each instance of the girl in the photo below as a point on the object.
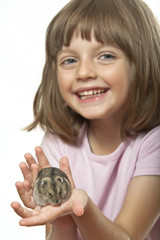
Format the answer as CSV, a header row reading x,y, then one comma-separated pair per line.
x,y
99,104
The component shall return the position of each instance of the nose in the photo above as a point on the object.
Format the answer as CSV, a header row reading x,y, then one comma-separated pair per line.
x,y
86,71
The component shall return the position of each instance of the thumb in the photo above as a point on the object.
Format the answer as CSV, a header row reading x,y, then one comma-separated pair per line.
x,y
78,209
64,166
80,202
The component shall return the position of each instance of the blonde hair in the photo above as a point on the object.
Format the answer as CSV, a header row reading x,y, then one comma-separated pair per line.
x,y
128,24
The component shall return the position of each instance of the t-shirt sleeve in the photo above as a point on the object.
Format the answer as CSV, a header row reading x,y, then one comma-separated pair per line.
x,y
148,162
52,149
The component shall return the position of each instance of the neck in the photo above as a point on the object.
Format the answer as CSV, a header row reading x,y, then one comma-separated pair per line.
x,y
104,136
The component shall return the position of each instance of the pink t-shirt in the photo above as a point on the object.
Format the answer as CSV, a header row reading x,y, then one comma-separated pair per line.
x,y
106,178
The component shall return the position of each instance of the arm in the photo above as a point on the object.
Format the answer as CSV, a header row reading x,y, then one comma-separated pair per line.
x,y
49,232
138,214
140,211
60,233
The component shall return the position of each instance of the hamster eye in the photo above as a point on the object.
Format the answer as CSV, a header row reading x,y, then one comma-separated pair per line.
x,y
50,194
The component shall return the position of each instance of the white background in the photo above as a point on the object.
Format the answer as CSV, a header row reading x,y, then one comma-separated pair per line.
x,y
22,53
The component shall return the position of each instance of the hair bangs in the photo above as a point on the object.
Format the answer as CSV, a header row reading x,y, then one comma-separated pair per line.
x,y
89,20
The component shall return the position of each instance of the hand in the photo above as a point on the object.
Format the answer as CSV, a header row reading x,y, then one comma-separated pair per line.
x,y
48,214
30,171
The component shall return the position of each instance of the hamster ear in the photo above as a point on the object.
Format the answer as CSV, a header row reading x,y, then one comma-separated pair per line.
x,y
60,179
43,183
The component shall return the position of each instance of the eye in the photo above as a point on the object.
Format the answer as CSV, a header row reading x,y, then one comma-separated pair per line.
x,y
51,195
69,61
107,57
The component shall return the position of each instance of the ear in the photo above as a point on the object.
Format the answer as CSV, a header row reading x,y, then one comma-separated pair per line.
x,y
59,179
44,183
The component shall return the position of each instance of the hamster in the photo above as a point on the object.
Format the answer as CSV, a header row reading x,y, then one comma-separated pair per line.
x,y
52,186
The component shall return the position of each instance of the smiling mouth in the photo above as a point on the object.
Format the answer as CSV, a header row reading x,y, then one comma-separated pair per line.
x,y
91,93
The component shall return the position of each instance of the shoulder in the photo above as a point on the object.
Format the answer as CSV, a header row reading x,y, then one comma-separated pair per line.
x,y
146,141
51,139
149,142
153,135
148,154
54,146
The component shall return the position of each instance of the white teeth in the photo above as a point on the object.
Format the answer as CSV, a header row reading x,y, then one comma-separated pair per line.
x,y
91,93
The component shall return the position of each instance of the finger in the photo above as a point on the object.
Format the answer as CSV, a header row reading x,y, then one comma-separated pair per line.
x,y
47,215
34,170
26,171
20,188
80,199
30,159
25,192
43,162
22,212
78,209
64,166
23,186
33,221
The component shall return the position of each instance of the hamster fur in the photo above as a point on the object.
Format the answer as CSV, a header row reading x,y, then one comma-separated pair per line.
x,y
52,186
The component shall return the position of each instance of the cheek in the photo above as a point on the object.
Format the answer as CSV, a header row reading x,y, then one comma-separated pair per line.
x,y
64,81
65,87
120,78
61,82
123,87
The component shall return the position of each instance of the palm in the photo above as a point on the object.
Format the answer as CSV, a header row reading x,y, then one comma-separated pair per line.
x,y
53,214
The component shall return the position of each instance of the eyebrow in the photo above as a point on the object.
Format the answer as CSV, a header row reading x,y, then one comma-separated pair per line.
x,y
69,50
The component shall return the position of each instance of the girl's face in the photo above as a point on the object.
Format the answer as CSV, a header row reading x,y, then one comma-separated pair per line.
x,y
93,78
